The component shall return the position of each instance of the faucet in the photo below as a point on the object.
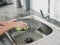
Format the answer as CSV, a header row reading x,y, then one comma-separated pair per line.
x,y
47,17
42,13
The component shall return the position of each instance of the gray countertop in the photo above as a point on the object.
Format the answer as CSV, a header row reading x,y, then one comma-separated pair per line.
x,y
10,12
52,39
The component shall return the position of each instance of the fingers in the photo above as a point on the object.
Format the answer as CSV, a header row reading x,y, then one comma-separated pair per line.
x,y
22,25
25,25
19,24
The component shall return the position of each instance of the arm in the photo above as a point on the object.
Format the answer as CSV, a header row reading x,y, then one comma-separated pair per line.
x,y
5,26
4,29
2,23
11,25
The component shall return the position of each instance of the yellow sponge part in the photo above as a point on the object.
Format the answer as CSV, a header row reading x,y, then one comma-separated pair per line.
x,y
19,29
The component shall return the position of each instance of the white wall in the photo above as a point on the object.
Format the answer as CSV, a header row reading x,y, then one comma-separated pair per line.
x,y
40,4
37,5
43,5
52,7
55,9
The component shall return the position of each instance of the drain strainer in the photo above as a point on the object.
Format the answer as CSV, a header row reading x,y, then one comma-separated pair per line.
x,y
29,40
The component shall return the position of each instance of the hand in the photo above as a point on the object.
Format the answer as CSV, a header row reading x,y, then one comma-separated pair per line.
x,y
18,24
14,24
10,25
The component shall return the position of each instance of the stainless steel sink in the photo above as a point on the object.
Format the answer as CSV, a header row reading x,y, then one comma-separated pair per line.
x,y
45,29
31,35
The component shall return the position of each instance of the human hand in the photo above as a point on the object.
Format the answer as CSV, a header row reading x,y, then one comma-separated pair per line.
x,y
11,25
18,25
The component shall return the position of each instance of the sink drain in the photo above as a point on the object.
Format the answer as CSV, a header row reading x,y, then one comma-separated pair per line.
x,y
29,40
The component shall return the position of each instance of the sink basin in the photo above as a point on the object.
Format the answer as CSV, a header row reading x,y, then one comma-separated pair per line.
x,y
22,38
45,29
37,30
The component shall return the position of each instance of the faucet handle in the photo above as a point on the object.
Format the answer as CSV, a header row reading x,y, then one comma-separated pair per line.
x,y
42,13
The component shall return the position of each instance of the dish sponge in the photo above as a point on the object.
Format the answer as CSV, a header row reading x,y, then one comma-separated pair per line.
x,y
20,29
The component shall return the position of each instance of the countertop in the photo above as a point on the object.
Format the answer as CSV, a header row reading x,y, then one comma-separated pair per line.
x,y
10,12
52,39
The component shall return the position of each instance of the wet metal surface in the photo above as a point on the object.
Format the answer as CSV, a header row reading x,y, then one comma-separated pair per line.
x,y
31,32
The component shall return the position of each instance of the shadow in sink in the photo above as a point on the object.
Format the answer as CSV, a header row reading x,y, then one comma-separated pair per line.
x,y
32,34
45,29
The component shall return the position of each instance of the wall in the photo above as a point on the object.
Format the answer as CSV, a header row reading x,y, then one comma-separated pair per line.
x,y
43,5
55,9
37,5
40,4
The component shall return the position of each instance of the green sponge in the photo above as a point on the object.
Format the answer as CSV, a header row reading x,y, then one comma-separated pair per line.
x,y
19,29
